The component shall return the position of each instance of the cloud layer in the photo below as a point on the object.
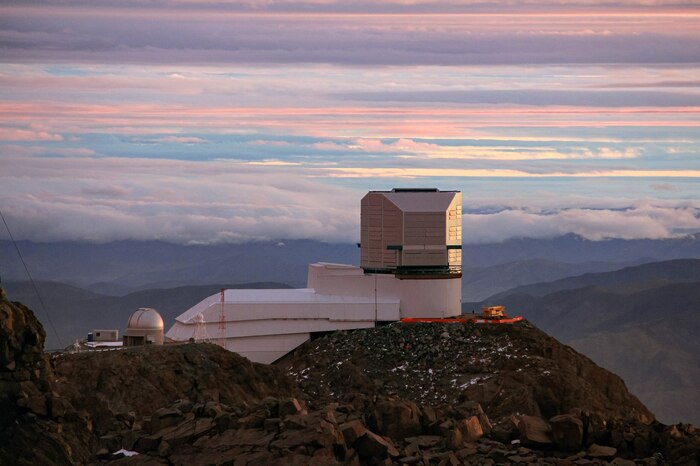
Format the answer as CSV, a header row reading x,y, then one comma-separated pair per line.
x,y
210,121
208,202
219,33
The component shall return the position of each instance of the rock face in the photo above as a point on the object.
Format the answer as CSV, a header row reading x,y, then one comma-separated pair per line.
x,y
36,426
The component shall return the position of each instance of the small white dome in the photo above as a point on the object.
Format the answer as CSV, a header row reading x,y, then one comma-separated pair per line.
x,y
145,318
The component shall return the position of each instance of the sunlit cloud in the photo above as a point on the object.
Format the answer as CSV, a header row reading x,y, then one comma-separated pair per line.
x,y
180,140
103,199
498,173
464,152
29,151
272,162
17,134
639,221
210,121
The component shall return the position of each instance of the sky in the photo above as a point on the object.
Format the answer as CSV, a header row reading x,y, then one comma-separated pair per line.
x,y
199,121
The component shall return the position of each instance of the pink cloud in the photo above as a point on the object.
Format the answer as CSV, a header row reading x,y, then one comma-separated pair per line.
x,y
16,134
181,140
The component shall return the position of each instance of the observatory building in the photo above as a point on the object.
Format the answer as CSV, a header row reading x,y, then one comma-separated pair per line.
x,y
410,266
412,233
145,327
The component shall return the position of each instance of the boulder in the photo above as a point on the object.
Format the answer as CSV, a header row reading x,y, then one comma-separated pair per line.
x,y
164,449
329,413
397,418
623,462
272,404
471,429
372,445
450,460
224,421
183,405
295,421
409,460
454,438
148,443
289,406
252,421
212,409
534,431
332,438
35,404
272,424
351,431
428,416
425,441
498,455
567,432
600,451
469,408
188,431
165,417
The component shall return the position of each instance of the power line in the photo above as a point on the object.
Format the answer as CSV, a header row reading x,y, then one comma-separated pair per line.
x,y
36,290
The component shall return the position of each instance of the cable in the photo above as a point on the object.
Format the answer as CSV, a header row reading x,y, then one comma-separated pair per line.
x,y
36,290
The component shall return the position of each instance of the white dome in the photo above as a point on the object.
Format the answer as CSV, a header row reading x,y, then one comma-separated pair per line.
x,y
145,318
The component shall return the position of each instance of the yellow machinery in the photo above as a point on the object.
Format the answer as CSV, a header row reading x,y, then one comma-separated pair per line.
x,y
492,312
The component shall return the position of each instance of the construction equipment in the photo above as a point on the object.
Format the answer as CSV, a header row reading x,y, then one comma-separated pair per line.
x,y
488,315
493,312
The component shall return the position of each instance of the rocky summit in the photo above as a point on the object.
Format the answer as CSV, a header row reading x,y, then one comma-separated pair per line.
x,y
403,394
506,368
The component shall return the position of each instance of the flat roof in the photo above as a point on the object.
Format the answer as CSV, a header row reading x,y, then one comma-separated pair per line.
x,y
283,296
421,201
293,295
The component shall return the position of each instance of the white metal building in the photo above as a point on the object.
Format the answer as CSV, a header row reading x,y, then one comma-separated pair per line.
x,y
103,335
415,235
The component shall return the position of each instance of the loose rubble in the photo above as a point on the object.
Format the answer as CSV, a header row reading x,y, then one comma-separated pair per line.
x,y
507,368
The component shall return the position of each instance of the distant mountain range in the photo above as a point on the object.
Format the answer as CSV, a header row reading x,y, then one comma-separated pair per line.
x,y
623,280
482,282
640,322
75,312
125,266
629,305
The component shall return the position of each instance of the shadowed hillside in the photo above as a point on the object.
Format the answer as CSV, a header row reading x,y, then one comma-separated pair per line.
x,y
628,279
641,322
482,282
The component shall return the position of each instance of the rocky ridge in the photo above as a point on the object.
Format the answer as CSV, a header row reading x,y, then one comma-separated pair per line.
x,y
340,399
37,425
506,368
122,386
